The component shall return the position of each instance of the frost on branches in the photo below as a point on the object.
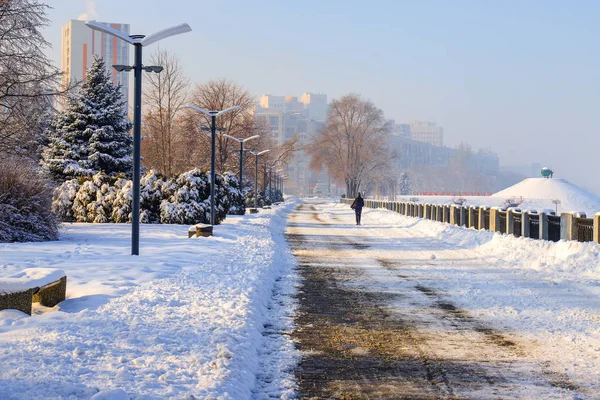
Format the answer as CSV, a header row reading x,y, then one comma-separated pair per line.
x,y
92,133
182,200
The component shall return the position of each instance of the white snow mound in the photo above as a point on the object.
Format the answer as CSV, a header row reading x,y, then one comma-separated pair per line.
x,y
571,196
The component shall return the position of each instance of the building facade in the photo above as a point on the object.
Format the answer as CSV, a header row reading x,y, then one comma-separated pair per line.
x,y
315,105
427,132
80,44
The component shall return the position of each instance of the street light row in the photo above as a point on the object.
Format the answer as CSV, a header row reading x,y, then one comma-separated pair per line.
x,y
140,41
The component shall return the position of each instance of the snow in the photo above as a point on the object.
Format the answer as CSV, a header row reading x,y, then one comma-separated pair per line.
x,y
538,194
210,317
543,292
186,317
543,191
29,278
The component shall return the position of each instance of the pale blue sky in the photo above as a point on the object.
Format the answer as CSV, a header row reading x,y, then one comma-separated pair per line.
x,y
521,77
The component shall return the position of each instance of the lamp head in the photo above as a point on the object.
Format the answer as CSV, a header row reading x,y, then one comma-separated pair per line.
x,y
153,68
122,68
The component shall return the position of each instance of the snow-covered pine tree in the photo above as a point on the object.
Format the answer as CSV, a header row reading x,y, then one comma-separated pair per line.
x,y
405,184
92,133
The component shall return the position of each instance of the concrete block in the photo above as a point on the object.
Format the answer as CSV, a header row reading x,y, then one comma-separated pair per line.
x,y
52,294
17,301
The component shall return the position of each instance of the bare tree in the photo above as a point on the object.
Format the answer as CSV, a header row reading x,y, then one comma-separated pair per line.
x,y
218,95
28,80
165,96
353,146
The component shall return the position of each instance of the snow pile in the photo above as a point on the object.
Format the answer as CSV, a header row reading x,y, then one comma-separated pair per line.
x,y
541,191
202,317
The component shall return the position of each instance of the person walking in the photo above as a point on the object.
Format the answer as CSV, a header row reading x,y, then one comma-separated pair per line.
x,y
357,206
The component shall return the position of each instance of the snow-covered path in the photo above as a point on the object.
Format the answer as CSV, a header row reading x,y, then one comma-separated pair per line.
x,y
188,317
497,316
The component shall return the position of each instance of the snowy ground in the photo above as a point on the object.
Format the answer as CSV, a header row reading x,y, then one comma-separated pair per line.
x,y
545,293
205,316
186,317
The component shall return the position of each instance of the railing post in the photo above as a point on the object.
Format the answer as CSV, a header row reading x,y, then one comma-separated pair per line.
x,y
494,219
543,226
597,228
427,211
568,226
453,215
421,210
471,218
440,213
463,216
525,231
510,222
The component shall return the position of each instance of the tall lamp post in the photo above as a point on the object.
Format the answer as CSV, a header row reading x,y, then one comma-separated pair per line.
x,y
213,131
241,142
138,42
256,175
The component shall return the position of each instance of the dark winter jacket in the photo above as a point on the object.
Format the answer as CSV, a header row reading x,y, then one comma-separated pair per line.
x,y
358,203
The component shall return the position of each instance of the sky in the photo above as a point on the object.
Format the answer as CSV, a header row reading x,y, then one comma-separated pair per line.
x,y
519,77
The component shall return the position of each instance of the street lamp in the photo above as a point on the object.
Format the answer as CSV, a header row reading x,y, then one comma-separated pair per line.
x,y
241,142
256,175
213,130
138,41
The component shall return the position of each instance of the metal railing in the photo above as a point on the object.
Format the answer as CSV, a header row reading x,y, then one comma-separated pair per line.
x,y
553,228
582,228
534,226
517,220
585,229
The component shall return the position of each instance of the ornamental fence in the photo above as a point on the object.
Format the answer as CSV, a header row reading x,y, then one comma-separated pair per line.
x,y
513,221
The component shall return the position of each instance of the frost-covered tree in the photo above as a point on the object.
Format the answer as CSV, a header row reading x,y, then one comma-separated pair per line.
x,y
353,145
25,201
28,78
92,133
405,184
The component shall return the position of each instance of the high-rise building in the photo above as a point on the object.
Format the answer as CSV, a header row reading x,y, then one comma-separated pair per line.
x,y
315,105
427,132
272,102
80,44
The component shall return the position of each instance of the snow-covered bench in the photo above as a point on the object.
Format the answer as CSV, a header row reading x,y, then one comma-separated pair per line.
x,y
200,230
47,286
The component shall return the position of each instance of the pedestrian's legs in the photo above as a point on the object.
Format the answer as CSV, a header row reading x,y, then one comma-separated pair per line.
x,y
357,213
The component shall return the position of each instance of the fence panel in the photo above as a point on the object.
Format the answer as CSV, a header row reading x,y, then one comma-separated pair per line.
x,y
501,222
517,218
534,226
554,228
585,229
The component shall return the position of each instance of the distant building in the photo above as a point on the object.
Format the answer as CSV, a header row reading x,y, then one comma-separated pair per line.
x,y
80,44
427,132
272,102
274,118
292,117
413,154
402,130
315,105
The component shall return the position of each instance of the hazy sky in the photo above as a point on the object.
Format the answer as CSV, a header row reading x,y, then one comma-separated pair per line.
x,y
520,77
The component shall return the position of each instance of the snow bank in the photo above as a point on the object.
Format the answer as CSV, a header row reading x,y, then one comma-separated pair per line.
x,y
185,318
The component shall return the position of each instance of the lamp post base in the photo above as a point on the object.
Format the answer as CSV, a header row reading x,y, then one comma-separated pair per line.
x,y
200,230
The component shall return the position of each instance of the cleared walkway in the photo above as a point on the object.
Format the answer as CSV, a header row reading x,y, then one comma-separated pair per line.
x,y
371,325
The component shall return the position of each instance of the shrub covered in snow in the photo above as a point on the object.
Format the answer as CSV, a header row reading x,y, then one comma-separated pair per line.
x,y
237,205
25,205
189,202
63,199
184,199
